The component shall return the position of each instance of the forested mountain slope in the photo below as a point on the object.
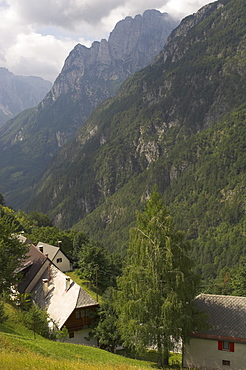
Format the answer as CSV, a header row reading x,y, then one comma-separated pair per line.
x,y
90,75
180,124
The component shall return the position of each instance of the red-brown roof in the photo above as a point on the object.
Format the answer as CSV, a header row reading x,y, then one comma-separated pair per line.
x,y
30,266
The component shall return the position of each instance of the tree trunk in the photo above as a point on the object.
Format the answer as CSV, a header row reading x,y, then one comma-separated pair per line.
x,y
163,353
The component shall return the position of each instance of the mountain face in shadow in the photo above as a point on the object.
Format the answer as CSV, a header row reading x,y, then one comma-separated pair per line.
x,y
18,93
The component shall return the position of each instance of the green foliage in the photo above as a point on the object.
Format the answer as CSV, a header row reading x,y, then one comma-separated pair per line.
x,y
25,221
12,252
23,301
158,270
106,329
230,281
238,279
36,320
31,221
80,239
208,197
62,334
41,219
3,315
98,265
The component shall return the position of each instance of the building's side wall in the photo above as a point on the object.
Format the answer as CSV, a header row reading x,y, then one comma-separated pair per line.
x,y
64,265
79,325
47,249
81,318
80,338
204,354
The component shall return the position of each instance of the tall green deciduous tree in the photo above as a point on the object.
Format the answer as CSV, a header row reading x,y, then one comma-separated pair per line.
x,y
106,329
11,253
157,288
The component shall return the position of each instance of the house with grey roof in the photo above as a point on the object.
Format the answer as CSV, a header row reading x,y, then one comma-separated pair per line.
x,y
223,344
66,302
56,255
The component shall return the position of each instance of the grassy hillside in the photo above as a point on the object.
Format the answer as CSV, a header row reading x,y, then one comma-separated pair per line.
x,y
18,350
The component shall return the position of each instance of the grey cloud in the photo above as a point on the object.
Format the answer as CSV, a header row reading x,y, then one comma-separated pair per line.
x,y
65,13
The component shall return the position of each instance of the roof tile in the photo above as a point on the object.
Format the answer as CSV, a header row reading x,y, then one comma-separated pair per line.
x,y
226,314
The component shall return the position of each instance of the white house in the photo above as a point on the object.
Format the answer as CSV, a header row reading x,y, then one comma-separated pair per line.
x,y
65,301
56,255
223,344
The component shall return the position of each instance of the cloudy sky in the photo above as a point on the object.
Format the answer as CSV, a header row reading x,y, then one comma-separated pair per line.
x,y
37,35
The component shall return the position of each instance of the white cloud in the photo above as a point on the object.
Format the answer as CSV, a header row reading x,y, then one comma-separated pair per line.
x,y
34,54
37,36
183,8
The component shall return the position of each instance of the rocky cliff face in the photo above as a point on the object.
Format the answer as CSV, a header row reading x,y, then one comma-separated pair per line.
x,y
131,46
89,76
18,93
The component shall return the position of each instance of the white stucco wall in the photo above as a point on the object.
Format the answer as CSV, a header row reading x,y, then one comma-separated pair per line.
x,y
79,338
64,265
204,354
53,254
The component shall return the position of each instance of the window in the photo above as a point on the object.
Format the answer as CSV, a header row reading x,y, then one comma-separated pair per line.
x,y
226,362
41,249
71,335
58,260
225,346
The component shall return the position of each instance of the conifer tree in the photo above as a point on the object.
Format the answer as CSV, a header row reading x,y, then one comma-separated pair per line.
x,y
157,288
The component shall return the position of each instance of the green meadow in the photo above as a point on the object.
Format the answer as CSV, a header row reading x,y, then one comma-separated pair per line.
x,y
19,350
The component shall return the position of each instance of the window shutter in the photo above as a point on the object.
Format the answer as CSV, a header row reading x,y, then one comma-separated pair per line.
x,y
231,346
220,345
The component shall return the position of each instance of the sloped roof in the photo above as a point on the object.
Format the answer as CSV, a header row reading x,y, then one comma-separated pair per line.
x,y
84,299
30,266
51,248
59,302
226,315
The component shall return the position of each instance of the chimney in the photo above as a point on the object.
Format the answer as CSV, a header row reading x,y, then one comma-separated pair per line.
x,y
67,283
45,287
59,244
